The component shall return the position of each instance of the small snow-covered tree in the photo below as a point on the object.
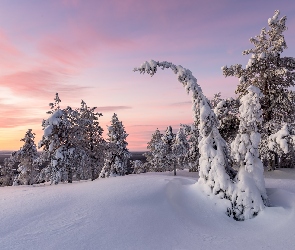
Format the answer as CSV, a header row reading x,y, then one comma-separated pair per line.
x,y
180,149
280,144
27,156
168,155
249,196
7,172
156,153
273,75
117,153
193,155
137,166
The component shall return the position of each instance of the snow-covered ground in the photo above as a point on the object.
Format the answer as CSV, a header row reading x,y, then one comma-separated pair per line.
x,y
146,211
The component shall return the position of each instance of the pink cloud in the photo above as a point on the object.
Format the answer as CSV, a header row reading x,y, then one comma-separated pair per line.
x,y
12,115
9,53
111,108
38,83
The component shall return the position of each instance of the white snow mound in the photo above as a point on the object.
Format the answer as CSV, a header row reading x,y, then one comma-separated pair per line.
x,y
146,211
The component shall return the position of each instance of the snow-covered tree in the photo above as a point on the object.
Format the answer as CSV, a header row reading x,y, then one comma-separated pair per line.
x,y
215,171
137,166
56,143
117,153
160,156
73,143
169,158
273,75
27,156
7,172
249,196
89,143
281,144
156,153
193,155
180,149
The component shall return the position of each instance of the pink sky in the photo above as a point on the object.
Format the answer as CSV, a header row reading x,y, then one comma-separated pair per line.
x,y
87,49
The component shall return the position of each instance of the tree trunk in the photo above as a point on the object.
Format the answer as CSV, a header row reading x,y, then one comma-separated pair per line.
x,y
70,175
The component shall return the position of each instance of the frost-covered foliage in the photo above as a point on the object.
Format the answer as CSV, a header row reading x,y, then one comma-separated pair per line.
x,y
215,171
167,151
138,167
227,111
72,142
26,156
249,196
7,172
169,158
193,155
90,145
117,154
156,154
180,149
273,75
56,143
281,145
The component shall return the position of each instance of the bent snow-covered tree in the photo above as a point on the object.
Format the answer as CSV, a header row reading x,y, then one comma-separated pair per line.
x,y
273,75
216,174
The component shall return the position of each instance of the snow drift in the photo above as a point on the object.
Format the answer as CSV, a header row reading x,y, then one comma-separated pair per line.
x,y
146,211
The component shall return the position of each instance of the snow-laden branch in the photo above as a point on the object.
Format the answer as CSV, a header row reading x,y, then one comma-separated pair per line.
x,y
201,105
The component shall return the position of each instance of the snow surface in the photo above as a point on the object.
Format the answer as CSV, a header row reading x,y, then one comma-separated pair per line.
x,y
146,211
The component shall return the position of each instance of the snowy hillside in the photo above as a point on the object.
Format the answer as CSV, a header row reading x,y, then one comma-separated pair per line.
x,y
146,211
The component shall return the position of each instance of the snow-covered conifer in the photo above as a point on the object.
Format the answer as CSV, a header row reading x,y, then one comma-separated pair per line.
x,y
281,144
169,158
137,166
7,172
56,143
155,154
117,153
273,75
28,169
193,155
89,142
249,196
180,149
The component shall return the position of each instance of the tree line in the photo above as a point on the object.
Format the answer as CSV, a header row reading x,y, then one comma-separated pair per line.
x,y
72,149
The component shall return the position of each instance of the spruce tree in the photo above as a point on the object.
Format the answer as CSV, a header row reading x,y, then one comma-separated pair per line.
x,y
27,156
89,142
180,149
56,143
273,75
117,154
193,155
169,158
155,154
